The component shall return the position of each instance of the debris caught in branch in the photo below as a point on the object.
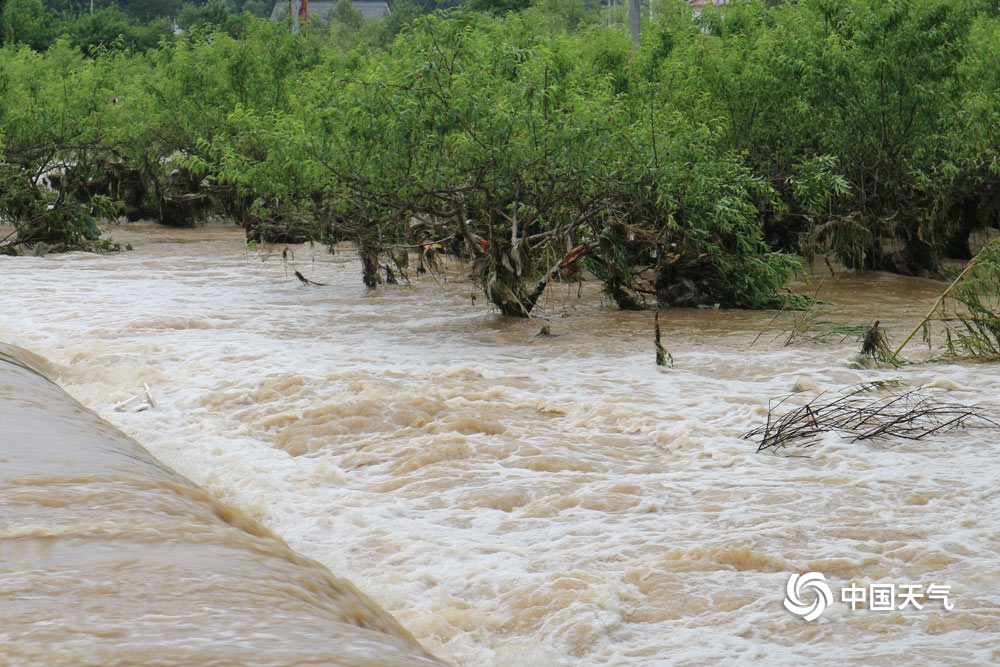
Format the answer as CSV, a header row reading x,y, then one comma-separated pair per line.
x,y
875,346
306,281
663,358
137,403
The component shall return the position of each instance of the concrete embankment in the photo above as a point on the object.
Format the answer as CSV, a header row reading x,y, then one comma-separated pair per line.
x,y
109,557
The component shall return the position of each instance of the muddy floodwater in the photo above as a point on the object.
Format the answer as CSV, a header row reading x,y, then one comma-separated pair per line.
x,y
109,558
509,498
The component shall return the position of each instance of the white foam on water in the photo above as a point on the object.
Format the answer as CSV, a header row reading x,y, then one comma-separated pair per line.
x,y
520,499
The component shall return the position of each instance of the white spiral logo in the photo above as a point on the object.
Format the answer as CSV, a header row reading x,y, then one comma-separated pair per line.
x,y
798,583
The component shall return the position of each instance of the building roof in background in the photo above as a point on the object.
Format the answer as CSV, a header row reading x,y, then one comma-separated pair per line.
x,y
370,9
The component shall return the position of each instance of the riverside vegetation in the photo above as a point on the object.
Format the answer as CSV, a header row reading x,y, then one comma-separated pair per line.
x,y
700,167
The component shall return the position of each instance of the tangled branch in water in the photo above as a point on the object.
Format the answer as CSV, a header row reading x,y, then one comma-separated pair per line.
x,y
861,415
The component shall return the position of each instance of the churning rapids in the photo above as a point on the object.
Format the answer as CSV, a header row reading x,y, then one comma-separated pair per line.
x,y
510,498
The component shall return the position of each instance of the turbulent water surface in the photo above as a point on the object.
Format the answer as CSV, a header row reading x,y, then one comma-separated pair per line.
x,y
109,558
518,499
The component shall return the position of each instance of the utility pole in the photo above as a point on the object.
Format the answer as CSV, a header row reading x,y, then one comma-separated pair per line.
x,y
299,11
633,19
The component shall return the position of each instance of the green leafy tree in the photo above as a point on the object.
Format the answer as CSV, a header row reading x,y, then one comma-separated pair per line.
x,y
348,16
473,130
212,14
533,143
148,10
29,22
498,7
110,28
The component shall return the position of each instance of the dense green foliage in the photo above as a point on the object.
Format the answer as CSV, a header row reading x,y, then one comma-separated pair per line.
x,y
538,144
139,25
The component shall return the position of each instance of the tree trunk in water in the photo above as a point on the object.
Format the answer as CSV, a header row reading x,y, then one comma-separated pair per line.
x,y
368,253
918,256
511,297
957,243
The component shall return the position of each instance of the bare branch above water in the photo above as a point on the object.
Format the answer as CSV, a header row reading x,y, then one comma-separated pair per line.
x,y
865,412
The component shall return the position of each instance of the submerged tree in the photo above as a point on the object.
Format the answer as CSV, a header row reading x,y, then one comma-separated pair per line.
x,y
501,148
681,173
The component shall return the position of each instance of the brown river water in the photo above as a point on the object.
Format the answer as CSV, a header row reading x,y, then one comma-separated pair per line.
x,y
508,498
